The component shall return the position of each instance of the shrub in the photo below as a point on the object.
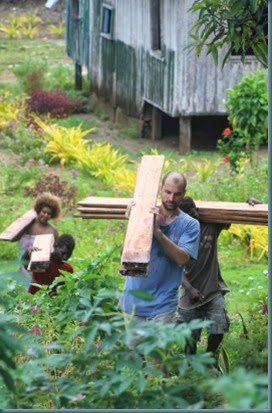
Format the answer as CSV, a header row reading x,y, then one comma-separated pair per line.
x,y
31,74
56,103
51,183
247,106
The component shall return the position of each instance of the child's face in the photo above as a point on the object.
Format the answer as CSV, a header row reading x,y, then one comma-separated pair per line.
x,y
61,253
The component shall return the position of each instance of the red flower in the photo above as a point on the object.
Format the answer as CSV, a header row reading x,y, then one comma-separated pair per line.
x,y
227,132
226,158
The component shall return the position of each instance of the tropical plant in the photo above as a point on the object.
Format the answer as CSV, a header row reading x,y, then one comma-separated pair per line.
x,y
57,104
205,169
241,25
247,106
31,74
254,237
57,29
13,27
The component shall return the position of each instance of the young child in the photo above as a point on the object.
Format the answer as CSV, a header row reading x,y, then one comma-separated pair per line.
x,y
62,252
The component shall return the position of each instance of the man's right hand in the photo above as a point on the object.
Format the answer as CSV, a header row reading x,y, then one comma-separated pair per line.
x,y
253,201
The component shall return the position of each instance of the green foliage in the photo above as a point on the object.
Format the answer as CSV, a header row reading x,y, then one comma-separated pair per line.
x,y
57,29
132,133
13,27
61,77
17,26
241,25
243,390
232,147
205,169
247,106
31,74
24,135
51,183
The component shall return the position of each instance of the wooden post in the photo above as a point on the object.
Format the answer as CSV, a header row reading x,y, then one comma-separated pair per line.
x,y
156,129
184,134
78,76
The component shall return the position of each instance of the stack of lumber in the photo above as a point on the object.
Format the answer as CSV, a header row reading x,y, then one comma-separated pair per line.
x,y
137,245
12,233
40,258
233,213
209,211
103,208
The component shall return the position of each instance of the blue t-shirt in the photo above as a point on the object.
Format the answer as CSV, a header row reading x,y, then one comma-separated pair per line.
x,y
164,275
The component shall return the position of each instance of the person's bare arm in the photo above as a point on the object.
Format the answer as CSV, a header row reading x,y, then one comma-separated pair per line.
x,y
193,293
172,250
177,254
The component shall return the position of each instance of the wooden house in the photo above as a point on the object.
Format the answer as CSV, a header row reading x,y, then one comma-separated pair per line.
x,y
136,57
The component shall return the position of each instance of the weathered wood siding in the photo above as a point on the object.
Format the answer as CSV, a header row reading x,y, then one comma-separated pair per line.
x,y
78,32
201,85
126,72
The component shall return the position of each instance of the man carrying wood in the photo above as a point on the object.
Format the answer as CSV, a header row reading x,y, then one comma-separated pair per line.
x,y
175,241
203,288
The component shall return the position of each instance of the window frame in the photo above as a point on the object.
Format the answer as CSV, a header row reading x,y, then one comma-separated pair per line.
x,y
108,34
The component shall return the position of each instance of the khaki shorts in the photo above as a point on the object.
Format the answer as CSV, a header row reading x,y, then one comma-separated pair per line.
x,y
163,318
214,310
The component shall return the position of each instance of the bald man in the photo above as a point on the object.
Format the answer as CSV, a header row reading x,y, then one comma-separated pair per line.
x,y
175,241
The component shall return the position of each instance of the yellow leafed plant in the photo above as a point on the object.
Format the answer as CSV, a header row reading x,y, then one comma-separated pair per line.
x,y
255,237
65,144
205,169
9,110
99,159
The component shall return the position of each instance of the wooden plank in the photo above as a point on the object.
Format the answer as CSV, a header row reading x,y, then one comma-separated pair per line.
x,y
98,210
40,259
209,211
138,239
100,216
13,230
105,202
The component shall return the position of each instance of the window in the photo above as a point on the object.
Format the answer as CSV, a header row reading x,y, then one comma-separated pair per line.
x,y
75,8
155,24
107,21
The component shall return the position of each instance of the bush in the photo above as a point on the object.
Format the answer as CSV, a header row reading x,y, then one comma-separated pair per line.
x,y
56,103
32,74
247,106
51,183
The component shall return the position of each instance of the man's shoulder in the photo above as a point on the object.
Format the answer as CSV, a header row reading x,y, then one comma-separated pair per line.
x,y
186,219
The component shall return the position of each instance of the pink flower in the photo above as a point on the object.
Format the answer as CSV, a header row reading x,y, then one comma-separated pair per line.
x,y
264,309
226,158
34,309
36,330
40,163
31,126
74,173
227,132
84,323
79,396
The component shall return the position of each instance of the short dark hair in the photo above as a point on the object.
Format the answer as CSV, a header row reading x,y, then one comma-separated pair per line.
x,y
68,241
178,174
188,205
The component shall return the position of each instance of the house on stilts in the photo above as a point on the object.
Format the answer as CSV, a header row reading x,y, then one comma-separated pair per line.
x,y
136,58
